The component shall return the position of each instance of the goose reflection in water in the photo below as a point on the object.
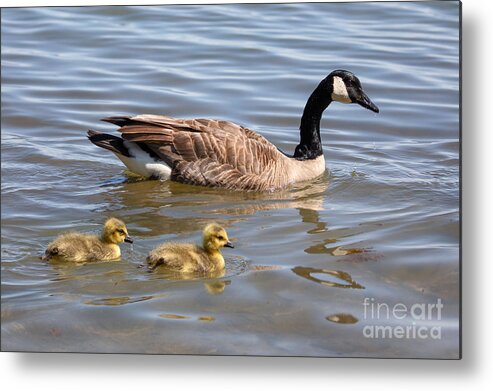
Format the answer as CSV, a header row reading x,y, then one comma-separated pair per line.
x,y
313,217
346,281
163,208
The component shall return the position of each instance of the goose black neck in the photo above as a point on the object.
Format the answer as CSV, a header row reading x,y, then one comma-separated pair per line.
x,y
310,146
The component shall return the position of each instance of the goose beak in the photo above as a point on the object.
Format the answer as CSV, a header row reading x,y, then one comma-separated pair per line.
x,y
128,239
365,102
229,244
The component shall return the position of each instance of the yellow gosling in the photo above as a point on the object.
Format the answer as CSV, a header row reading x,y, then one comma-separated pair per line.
x,y
79,247
188,257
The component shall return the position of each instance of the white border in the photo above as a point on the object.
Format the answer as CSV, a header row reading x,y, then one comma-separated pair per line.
x,y
86,372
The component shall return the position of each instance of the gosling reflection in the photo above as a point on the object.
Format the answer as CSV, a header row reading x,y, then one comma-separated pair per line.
x,y
215,285
308,273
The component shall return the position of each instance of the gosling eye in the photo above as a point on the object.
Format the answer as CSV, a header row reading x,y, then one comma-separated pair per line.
x,y
121,231
220,237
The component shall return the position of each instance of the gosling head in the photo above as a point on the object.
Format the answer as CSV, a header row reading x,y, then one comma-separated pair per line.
x,y
343,86
215,237
115,232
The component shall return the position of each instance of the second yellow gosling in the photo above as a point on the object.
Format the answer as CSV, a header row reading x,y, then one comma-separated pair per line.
x,y
190,258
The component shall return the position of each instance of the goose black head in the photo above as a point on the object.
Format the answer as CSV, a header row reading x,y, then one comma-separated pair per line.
x,y
345,87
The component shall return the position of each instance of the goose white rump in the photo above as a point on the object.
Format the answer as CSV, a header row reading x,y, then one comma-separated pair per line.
x,y
143,164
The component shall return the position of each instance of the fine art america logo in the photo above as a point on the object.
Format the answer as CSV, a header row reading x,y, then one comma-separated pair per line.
x,y
400,321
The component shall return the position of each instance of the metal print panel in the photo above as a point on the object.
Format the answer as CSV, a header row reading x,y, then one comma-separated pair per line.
x,y
288,174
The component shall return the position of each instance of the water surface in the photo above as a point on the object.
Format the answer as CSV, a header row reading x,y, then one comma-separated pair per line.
x,y
382,224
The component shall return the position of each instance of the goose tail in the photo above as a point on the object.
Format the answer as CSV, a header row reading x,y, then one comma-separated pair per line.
x,y
137,160
107,141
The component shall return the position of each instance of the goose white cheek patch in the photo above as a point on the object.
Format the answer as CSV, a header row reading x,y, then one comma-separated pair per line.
x,y
339,92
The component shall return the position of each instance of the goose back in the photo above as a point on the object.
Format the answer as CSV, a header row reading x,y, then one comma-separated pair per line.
x,y
215,153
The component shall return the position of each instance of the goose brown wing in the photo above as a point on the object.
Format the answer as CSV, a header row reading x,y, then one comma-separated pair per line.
x,y
206,152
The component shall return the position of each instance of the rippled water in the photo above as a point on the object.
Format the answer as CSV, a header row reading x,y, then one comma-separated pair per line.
x,y
382,225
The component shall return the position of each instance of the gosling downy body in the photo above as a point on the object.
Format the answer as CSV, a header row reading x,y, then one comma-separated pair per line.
x,y
78,247
191,258
223,154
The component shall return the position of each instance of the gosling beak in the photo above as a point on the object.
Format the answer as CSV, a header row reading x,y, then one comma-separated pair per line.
x,y
229,244
365,102
128,239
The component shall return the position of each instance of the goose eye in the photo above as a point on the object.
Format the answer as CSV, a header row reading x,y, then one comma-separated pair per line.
x,y
121,231
220,237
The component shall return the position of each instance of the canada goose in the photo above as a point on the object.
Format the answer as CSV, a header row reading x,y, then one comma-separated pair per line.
x,y
78,247
222,154
189,258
